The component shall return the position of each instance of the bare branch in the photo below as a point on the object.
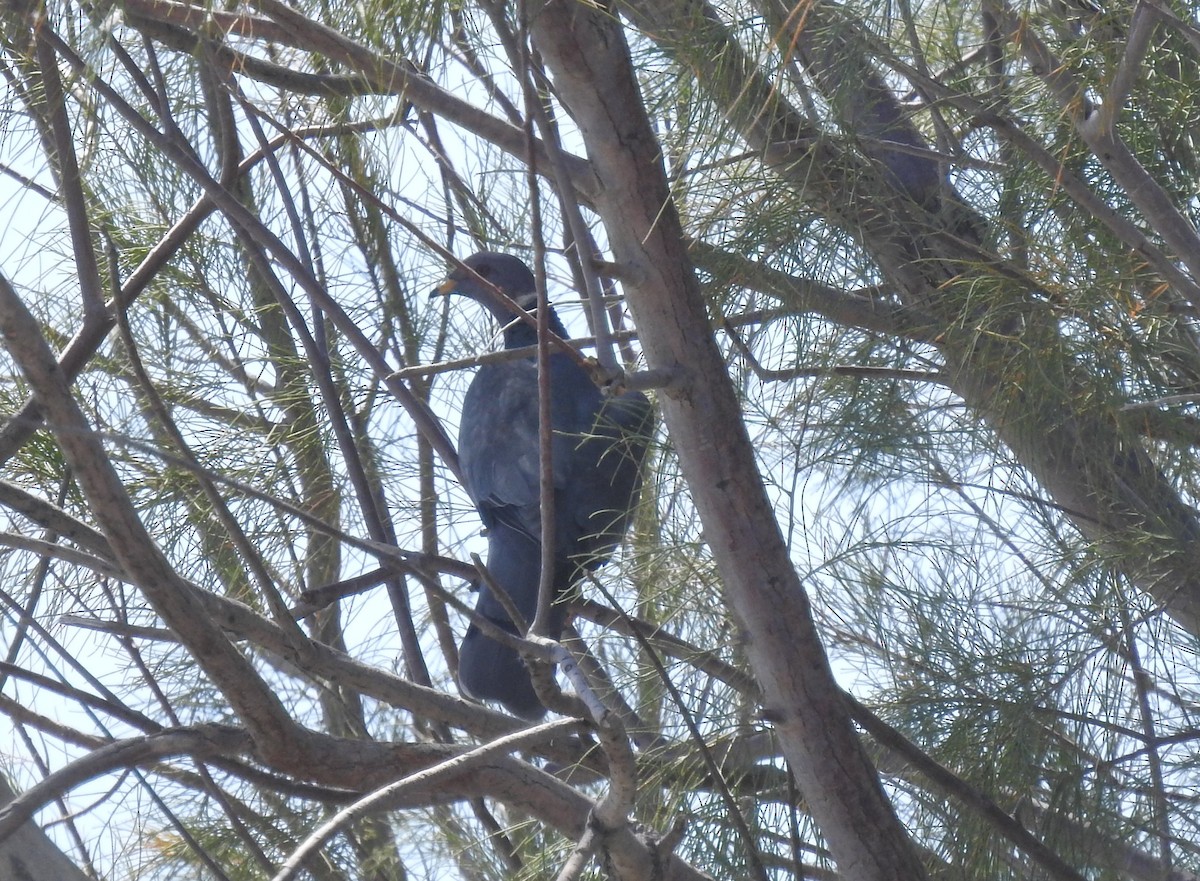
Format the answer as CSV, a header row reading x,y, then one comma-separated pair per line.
x,y
714,450
380,798
200,741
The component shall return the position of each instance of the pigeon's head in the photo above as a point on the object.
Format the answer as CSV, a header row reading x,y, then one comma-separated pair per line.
x,y
480,276
481,273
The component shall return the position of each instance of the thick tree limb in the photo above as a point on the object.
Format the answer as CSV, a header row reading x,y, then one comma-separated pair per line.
x,y
29,855
583,47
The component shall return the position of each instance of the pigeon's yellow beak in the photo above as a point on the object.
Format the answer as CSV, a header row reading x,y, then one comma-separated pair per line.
x,y
446,286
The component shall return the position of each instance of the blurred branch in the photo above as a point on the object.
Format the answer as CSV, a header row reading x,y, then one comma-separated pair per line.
x,y
29,854
1141,26
809,295
1098,131
70,184
54,551
198,742
1057,174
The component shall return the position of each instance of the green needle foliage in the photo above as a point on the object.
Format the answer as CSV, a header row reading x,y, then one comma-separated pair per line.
x,y
949,258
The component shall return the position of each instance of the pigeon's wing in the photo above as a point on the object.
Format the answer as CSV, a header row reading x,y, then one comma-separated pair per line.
x,y
498,445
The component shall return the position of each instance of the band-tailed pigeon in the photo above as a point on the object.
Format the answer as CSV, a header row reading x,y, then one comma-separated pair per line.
x,y
599,444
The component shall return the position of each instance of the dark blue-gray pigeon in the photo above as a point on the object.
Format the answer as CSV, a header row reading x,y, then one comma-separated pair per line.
x,y
599,444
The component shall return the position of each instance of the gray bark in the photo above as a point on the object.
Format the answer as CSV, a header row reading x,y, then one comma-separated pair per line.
x,y
584,48
29,855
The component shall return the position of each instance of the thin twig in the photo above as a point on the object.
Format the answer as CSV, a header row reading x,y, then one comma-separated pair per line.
x,y
500,356
861,371
1143,684
1161,402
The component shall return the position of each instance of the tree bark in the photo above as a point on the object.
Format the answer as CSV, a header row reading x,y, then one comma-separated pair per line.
x,y
586,51
28,855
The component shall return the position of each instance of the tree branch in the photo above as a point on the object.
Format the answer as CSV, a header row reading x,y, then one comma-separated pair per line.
x,y
584,47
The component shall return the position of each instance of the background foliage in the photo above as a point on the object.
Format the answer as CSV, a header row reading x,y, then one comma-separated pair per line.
x,y
948,253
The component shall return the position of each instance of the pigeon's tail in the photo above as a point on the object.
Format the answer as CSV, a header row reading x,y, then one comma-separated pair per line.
x,y
487,669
